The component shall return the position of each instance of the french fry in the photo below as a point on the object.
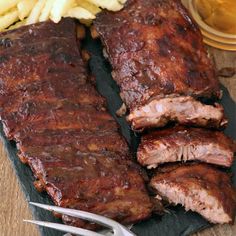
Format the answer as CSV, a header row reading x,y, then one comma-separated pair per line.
x,y
8,19
17,25
112,5
46,10
34,14
122,1
89,6
24,8
6,5
80,13
33,11
60,8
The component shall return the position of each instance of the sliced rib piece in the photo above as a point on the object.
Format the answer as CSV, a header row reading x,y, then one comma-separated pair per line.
x,y
63,131
185,144
198,187
159,61
184,110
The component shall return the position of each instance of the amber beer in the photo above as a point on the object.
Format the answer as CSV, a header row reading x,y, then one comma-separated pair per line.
x,y
219,14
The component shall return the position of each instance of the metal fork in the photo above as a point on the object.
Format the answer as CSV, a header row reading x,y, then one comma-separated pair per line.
x,y
118,229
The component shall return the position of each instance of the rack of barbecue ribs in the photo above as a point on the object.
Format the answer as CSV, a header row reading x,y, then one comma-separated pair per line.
x,y
165,76
181,143
198,187
160,64
63,132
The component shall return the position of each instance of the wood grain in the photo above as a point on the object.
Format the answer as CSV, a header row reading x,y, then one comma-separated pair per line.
x,y
13,207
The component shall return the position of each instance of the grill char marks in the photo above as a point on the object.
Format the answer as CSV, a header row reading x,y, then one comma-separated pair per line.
x,y
185,144
105,141
162,56
56,117
63,131
50,91
158,54
200,188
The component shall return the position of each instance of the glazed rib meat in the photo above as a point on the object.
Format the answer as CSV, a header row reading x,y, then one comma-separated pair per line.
x,y
160,63
50,107
185,144
200,188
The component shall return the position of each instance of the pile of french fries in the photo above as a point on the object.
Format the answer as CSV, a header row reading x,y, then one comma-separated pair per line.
x,y
15,13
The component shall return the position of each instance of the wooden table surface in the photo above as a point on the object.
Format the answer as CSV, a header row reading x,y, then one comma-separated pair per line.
x,y
13,206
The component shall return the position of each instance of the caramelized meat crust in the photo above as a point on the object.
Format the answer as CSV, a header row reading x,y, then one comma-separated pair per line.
x,y
88,142
156,50
63,131
198,187
185,144
162,52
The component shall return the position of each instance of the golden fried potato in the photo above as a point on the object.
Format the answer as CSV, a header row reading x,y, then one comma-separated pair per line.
x,y
60,8
17,25
33,11
24,8
89,6
112,5
6,5
45,14
80,13
8,19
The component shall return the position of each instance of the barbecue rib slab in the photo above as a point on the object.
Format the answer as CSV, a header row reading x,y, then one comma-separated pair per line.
x,y
185,144
63,131
160,63
198,187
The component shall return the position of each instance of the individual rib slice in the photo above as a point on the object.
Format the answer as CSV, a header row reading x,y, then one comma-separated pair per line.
x,y
184,110
63,131
185,144
198,187
160,63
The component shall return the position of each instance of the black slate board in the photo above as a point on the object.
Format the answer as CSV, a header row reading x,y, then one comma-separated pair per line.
x,y
177,221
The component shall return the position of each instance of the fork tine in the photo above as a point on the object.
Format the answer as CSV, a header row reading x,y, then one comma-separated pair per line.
x,y
64,228
80,214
